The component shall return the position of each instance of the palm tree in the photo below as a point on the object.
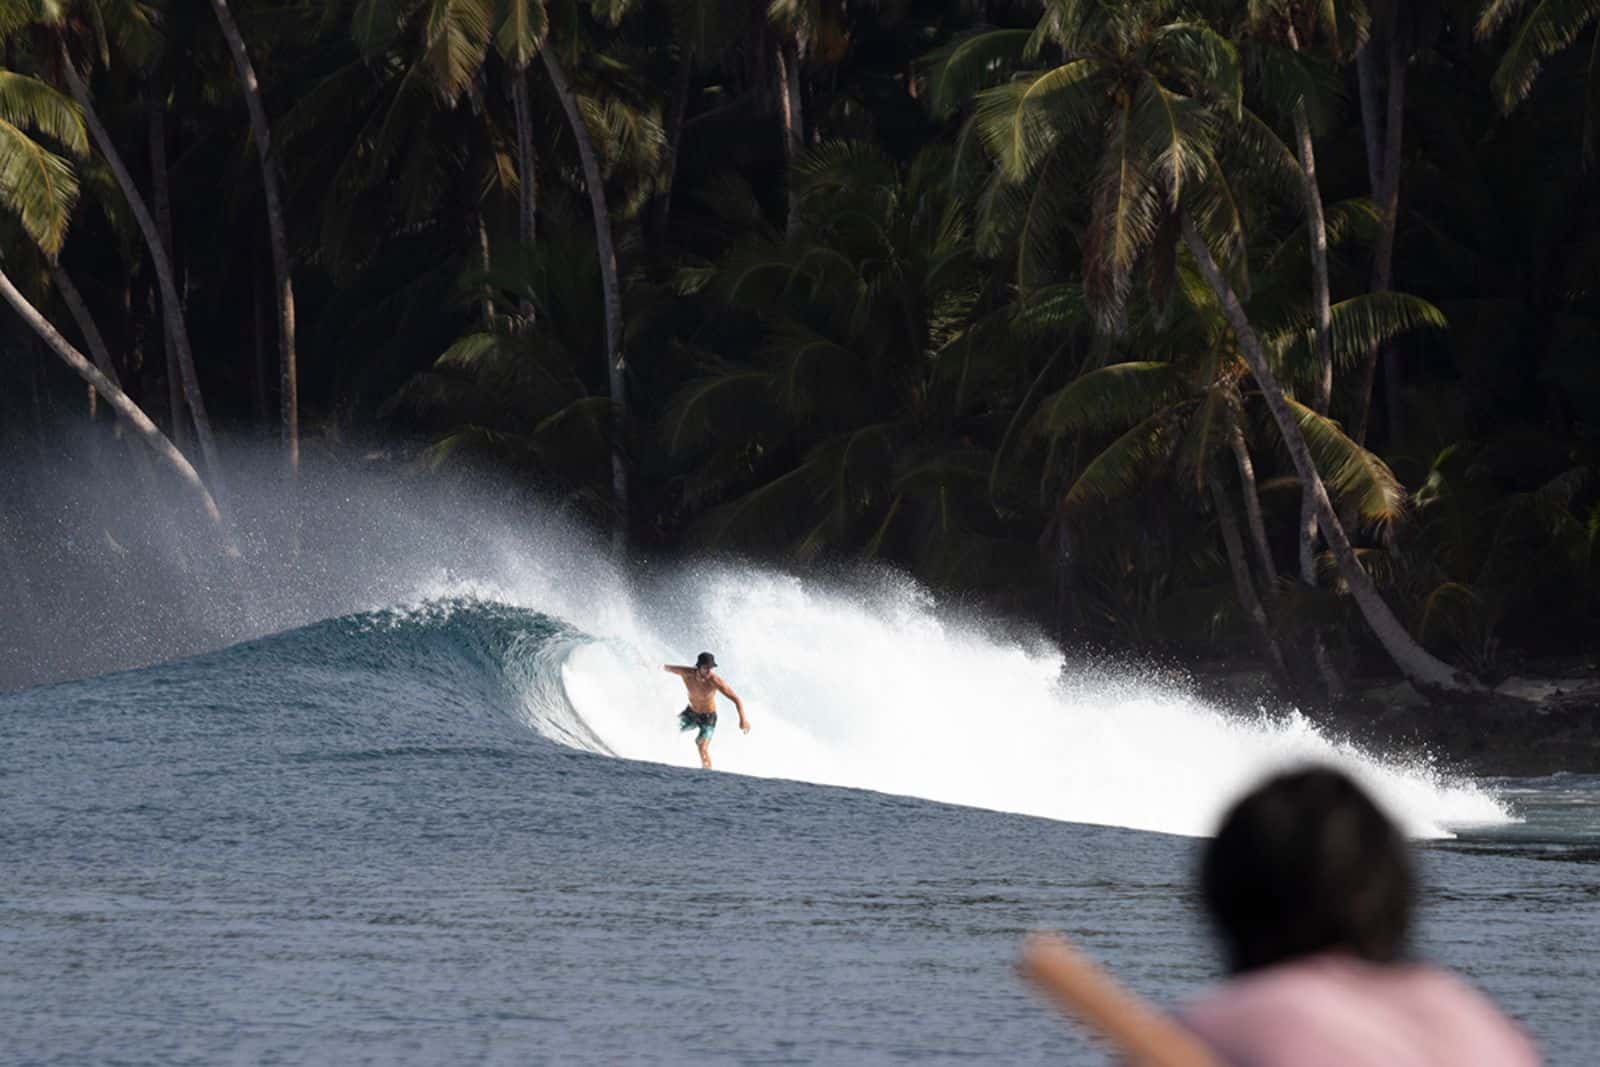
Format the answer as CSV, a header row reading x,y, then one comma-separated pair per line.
x,y
829,419
38,188
1383,145
1179,418
289,374
455,38
1550,27
516,396
1160,95
133,20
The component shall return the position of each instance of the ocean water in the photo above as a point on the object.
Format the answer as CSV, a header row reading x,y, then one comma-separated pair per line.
x,y
460,826
404,785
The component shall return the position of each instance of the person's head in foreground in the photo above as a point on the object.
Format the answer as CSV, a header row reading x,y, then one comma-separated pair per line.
x,y
1309,886
1307,863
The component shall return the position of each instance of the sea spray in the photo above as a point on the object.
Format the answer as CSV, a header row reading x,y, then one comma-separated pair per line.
x,y
862,680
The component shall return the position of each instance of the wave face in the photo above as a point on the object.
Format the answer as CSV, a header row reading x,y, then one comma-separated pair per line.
x,y
878,688
517,621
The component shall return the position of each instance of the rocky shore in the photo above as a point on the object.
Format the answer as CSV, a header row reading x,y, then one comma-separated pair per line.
x,y
1527,726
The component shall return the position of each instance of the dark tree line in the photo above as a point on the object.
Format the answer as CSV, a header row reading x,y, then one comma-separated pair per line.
x,y
1191,326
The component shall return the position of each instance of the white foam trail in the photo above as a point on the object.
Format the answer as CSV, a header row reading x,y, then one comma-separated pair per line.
x,y
876,689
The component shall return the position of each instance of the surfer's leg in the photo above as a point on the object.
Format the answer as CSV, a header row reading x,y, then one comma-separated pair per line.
x,y
703,743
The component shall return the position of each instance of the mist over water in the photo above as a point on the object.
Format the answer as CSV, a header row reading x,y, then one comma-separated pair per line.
x,y
863,680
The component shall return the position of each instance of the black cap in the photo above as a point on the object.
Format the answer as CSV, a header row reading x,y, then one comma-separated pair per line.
x,y
705,659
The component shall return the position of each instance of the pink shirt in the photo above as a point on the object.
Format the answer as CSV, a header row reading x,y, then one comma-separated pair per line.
x,y
1336,1011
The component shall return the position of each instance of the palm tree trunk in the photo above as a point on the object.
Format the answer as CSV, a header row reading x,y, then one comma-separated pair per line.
x,y
1322,345
789,106
289,370
86,324
487,296
102,362
527,177
1316,222
126,408
1371,137
170,308
1383,170
527,173
1252,510
258,335
1412,659
1243,587
669,165
163,208
611,285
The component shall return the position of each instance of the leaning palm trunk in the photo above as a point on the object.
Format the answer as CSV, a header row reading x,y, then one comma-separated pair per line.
x,y
527,177
86,325
1252,510
611,285
289,373
126,408
1243,587
163,204
1412,659
170,308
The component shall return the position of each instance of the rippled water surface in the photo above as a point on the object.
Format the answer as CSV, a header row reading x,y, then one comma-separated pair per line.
x,y
365,842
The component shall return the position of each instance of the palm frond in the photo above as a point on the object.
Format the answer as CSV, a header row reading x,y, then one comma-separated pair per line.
x,y
456,35
1125,466
1356,478
966,66
1550,27
1255,151
1495,14
1111,398
1205,59
1287,78
1022,119
700,411
29,103
522,30
1125,216
1357,326
37,186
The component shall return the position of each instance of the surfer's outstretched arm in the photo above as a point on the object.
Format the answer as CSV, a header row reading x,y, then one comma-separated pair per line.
x,y
723,688
681,672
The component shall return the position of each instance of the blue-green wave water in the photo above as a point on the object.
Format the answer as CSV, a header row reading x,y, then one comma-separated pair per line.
x,y
459,831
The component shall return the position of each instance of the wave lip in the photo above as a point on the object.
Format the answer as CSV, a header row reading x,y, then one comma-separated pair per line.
x,y
879,688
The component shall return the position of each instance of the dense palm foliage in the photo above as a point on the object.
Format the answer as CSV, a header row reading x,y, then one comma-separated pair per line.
x,y
1071,306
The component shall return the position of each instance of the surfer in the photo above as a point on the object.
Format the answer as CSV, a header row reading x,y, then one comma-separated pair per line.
x,y
703,685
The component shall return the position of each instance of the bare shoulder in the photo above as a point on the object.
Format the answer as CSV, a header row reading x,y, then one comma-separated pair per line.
x,y
717,680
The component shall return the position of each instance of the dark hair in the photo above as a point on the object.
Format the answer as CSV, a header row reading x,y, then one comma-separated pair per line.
x,y
1304,863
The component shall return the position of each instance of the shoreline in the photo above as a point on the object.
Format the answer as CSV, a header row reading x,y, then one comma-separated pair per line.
x,y
1527,727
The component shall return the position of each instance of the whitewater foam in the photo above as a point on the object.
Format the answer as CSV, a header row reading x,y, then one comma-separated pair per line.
x,y
877,688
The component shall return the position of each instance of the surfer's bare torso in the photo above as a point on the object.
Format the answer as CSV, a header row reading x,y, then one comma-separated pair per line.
x,y
703,690
703,685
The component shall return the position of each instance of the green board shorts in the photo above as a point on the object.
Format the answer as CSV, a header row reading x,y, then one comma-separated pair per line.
x,y
704,721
